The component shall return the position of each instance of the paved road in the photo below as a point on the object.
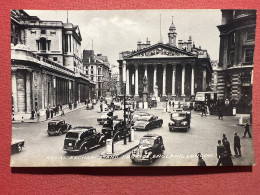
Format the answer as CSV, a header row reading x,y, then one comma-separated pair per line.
x,y
181,147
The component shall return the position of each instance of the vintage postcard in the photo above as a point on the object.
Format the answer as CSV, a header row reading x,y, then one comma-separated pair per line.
x,y
132,87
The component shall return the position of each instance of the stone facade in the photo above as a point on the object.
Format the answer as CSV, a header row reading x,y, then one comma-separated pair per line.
x,y
234,74
98,70
178,71
46,66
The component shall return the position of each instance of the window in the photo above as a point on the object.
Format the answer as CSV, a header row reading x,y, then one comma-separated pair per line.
x,y
249,55
92,78
233,38
91,67
43,31
55,59
250,36
91,71
43,43
231,58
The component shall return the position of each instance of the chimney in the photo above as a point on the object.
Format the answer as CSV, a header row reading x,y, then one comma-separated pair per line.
x,y
180,43
189,44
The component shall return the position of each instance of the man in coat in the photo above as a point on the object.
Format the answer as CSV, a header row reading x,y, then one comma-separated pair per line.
x,y
201,162
227,146
247,130
220,152
226,160
237,145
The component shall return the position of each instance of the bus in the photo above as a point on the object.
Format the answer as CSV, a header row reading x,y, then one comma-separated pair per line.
x,y
205,98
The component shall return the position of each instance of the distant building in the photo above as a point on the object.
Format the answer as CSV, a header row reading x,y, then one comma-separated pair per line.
x,y
46,64
174,70
234,74
98,70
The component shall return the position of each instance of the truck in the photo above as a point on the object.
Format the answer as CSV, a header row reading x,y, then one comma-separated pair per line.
x,y
205,98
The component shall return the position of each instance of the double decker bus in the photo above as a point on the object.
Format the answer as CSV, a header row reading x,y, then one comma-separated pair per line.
x,y
205,98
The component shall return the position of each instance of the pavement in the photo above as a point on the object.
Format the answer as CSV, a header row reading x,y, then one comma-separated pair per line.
x,y
43,118
120,149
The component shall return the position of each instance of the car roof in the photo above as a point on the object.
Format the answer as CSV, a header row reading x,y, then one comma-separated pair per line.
x,y
81,129
55,120
151,136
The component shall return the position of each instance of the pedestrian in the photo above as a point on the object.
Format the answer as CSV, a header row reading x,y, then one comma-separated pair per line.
x,y
220,152
203,110
201,162
179,104
62,112
38,115
170,104
227,146
150,105
220,114
237,145
47,112
101,107
52,113
226,160
247,130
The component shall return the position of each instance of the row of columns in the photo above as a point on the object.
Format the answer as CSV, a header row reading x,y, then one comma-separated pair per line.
x,y
126,79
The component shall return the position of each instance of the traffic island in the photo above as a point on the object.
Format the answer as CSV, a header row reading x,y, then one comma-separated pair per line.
x,y
120,149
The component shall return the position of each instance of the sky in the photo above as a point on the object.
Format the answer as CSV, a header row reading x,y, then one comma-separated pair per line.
x,y
119,30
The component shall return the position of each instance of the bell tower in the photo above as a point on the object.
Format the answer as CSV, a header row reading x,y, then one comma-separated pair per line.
x,y
172,34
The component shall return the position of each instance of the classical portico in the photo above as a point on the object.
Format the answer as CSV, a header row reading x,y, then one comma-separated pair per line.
x,y
178,71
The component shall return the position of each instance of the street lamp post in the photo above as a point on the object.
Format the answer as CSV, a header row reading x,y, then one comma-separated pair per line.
x,y
124,91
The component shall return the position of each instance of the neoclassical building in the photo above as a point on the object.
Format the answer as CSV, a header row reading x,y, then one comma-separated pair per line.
x,y
234,74
178,71
47,69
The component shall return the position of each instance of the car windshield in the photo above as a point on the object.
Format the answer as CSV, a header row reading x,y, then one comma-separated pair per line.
x,y
175,114
142,119
106,125
72,135
147,142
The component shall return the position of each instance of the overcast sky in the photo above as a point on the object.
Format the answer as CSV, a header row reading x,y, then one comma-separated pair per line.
x,y
116,31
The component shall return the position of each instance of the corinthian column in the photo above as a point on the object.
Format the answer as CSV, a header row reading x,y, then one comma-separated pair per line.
x,y
192,80
28,92
136,81
127,81
204,80
14,91
154,76
183,81
164,80
173,79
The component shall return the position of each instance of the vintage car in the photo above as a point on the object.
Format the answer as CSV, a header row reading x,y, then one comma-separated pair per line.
x,y
90,106
119,129
137,115
179,120
103,118
17,145
81,139
58,127
148,150
147,122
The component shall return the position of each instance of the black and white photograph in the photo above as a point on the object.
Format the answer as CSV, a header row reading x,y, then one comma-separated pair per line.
x,y
126,88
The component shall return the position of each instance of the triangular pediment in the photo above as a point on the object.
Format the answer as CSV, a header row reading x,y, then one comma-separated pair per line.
x,y
159,50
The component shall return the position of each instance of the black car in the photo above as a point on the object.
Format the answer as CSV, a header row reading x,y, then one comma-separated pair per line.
x,y
119,129
82,139
17,145
149,149
58,127
180,120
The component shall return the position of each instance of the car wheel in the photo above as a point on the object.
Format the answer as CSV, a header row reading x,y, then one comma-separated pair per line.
x,y
150,159
19,148
147,128
160,124
60,132
49,134
84,149
103,142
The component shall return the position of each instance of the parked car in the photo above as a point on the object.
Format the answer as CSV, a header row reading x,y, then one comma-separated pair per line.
x,y
103,118
17,145
180,120
119,129
149,148
82,139
90,106
147,122
58,127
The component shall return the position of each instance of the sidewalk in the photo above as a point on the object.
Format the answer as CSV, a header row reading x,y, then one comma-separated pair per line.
x,y
120,149
43,118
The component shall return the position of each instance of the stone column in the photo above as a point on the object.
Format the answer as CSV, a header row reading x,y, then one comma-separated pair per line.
x,y
14,91
28,92
204,80
164,81
252,76
173,79
124,71
154,76
192,80
145,70
127,81
183,81
136,81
